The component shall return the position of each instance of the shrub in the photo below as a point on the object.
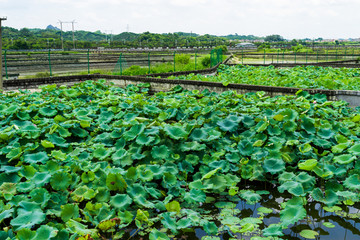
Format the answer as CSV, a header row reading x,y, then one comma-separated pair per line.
x,y
206,61
182,58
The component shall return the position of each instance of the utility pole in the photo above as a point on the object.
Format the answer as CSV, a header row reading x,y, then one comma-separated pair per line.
x,y
61,37
73,33
1,80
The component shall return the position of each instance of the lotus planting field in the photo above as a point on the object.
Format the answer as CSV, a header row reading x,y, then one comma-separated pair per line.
x,y
100,162
309,77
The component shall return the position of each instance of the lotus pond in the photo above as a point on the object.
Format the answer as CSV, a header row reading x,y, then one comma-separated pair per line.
x,y
96,161
308,77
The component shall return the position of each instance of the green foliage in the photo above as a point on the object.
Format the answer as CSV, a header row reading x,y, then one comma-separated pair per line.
x,y
153,160
313,77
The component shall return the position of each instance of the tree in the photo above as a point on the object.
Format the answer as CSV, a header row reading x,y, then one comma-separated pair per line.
x,y
274,38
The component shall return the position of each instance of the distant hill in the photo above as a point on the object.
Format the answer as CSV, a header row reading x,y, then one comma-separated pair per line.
x,y
51,27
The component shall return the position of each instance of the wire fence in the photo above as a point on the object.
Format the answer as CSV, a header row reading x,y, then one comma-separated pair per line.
x,y
48,63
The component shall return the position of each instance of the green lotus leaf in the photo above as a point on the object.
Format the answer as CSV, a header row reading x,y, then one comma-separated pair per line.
x,y
192,159
274,166
355,150
199,135
47,144
85,123
308,234
325,133
273,230
308,165
69,211
87,177
344,159
45,232
211,173
79,132
25,186
160,152
143,139
151,109
264,210
352,182
292,214
245,148
308,124
328,224
339,148
71,93
41,178
25,234
146,175
175,131
169,179
134,131
329,198
28,219
121,201
78,228
57,141
306,180
216,183
157,235
289,126
101,152
168,222
83,192
192,146
261,126
173,206
59,155
40,196
322,143
39,157
227,125
295,188
286,176
15,153
47,111
119,156
210,228
6,214
115,181
60,180
195,196
11,109
250,196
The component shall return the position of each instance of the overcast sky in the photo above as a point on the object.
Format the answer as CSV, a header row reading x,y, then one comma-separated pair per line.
x,y
288,18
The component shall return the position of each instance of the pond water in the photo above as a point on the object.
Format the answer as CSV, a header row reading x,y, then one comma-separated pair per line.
x,y
346,222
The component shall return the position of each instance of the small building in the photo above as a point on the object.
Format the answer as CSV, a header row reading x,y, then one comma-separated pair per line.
x,y
245,45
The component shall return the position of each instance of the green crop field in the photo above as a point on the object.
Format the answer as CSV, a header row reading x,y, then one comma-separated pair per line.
x,y
96,161
308,77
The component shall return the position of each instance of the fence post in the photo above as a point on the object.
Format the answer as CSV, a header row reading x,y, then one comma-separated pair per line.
x,y
120,63
88,60
283,56
174,61
6,73
336,55
345,54
317,56
149,61
295,56
264,55
50,63
326,56
195,59
242,55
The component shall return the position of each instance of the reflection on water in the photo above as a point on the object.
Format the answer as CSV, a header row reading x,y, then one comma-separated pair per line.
x,y
346,221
